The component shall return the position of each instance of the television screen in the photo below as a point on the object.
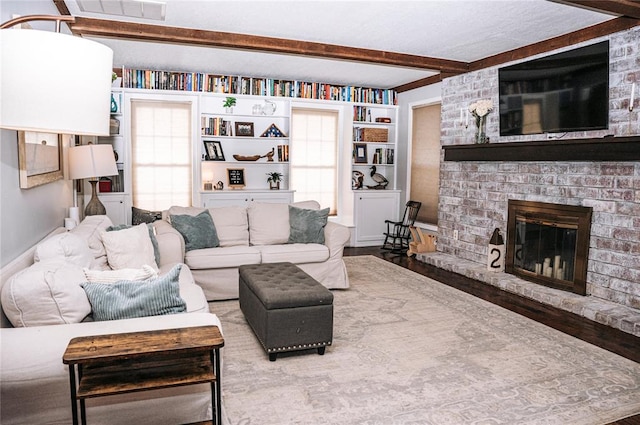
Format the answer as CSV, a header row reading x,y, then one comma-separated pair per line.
x,y
564,92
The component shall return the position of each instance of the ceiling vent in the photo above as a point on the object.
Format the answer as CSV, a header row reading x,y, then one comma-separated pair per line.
x,y
144,9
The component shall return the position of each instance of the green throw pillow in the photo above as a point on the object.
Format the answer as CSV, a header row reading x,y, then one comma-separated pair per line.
x,y
307,226
198,231
152,236
128,299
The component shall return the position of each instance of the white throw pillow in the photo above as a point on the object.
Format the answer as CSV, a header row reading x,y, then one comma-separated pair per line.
x,y
129,248
64,247
268,223
46,293
89,229
232,225
111,276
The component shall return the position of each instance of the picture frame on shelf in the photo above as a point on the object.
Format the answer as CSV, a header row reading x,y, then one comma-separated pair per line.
x,y
244,129
213,150
235,177
39,158
360,153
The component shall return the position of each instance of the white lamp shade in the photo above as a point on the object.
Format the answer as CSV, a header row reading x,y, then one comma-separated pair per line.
x,y
91,161
54,83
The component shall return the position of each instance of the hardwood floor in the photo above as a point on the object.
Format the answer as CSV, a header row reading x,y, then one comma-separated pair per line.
x,y
610,339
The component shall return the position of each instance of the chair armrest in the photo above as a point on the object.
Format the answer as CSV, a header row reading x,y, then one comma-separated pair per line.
x,y
170,243
336,237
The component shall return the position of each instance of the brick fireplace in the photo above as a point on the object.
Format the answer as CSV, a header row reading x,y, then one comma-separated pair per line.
x,y
474,194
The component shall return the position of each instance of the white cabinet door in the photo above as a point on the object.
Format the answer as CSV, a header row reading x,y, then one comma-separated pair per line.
x,y
245,197
372,208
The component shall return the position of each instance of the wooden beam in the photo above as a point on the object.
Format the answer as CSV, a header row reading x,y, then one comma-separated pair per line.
x,y
425,81
628,8
189,36
595,31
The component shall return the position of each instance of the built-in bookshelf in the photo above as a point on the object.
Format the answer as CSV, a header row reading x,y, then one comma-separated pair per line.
x,y
231,84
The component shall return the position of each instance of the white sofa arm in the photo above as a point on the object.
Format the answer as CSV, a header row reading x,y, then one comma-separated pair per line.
x,y
336,237
170,243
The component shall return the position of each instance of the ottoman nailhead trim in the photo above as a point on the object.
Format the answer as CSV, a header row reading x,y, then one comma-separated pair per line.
x,y
298,347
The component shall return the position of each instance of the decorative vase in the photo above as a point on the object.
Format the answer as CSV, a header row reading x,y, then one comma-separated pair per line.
x,y
481,131
274,185
114,105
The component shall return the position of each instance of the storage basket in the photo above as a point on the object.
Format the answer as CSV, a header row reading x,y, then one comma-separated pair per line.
x,y
375,134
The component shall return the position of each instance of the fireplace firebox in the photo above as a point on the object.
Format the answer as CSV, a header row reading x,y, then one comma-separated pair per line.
x,y
549,244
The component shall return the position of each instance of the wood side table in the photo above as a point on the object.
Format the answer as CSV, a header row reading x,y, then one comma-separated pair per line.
x,y
138,361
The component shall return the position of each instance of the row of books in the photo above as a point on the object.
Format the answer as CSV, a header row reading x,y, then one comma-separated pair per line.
x,y
383,156
215,126
283,153
211,83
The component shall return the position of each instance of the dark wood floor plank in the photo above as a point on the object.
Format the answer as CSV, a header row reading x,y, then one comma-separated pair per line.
x,y
605,337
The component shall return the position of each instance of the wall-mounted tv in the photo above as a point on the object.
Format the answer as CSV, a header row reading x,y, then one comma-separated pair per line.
x,y
564,92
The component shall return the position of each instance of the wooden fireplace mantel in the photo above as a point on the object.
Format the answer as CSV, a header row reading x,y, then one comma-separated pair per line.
x,y
604,149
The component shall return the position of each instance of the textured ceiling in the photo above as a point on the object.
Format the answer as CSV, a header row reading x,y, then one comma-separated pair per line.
x,y
455,29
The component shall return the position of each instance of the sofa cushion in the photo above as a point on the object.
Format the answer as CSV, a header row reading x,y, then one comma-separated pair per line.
x,y
90,229
294,253
112,276
219,258
307,226
129,248
198,231
46,293
268,223
152,236
66,246
128,299
232,225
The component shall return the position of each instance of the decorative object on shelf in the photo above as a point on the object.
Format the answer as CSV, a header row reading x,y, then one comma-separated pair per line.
x,y
114,126
244,129
268,155
213,150
381,180
273,131
360,153
274,180
39,158
480,110
114,105
92,161
235,177
208,186
257,109
219,185
228,104
356,180
384,120
269,108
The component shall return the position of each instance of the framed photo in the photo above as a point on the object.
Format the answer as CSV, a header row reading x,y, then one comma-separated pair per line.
x,y
360,153
39,158
235,177
244,129
213,150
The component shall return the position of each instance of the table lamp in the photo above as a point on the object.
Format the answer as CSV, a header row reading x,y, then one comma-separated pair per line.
x,y
92,161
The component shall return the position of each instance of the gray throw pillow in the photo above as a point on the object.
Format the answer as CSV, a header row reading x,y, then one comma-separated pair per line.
x,y
198,231
307,226
144,216
128,299
152,236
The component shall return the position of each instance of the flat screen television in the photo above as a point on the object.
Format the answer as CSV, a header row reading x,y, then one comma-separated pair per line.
x,y
559,93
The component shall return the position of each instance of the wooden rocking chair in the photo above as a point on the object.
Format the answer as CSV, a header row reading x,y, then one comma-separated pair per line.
x,y
397,236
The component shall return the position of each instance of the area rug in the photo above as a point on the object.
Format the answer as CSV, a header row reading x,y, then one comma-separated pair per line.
x,y
410,350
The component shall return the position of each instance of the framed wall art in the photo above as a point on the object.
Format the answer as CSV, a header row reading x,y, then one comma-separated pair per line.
x,y
235,176
360,153
39,158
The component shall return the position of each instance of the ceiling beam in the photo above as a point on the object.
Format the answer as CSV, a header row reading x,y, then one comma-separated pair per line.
x,y
189,36
629,8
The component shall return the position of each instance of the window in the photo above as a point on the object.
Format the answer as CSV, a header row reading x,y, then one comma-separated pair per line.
x,y
314,156
425,161
161,154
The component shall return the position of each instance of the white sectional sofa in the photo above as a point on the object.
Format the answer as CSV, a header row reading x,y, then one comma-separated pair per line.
x,y
260,233
47,314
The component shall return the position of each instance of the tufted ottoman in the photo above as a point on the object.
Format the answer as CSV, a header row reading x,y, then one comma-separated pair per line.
x,y
286,308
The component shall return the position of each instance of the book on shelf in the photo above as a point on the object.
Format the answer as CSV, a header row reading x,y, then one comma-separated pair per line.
x,y
383,156
227,84
283,153
216,126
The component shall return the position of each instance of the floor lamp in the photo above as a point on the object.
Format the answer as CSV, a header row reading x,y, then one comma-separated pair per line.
x,y
92,161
